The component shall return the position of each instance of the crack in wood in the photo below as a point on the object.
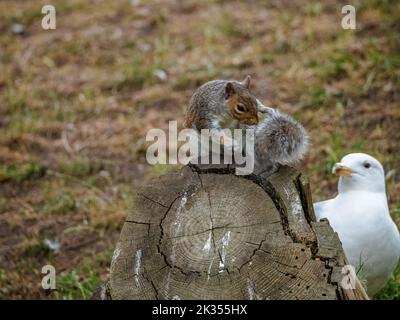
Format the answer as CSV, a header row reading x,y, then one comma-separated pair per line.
x,y
268,187
211,219
152,200
138,222
172,266
178,271
254,253
264,184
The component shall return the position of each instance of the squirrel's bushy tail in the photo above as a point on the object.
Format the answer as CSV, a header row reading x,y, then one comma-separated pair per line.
x,y
279,139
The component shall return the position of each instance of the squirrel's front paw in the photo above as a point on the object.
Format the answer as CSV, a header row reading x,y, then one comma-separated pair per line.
x,y
229,143
232,144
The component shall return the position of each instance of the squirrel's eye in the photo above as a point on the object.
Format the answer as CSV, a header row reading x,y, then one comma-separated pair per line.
x,y
240,108
367,165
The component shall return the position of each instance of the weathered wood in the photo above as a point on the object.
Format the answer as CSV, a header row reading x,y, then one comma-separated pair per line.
x,y
102,292
209,234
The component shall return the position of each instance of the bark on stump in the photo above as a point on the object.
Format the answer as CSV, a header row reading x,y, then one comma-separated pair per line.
x,y
209,234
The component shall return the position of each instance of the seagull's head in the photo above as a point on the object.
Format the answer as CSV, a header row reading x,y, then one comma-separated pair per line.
x,y
360,171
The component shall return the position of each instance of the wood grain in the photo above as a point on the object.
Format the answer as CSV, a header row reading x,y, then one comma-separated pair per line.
x,y
205,233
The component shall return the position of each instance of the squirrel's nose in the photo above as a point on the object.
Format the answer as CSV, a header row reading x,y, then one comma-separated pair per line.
x,y
252,121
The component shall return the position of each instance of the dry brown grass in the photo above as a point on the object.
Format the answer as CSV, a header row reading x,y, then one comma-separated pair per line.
x,y
76,102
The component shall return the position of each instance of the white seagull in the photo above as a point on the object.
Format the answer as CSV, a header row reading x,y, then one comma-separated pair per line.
x,y
360,215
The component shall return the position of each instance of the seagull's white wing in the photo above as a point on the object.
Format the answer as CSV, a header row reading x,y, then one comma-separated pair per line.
x,y
322,209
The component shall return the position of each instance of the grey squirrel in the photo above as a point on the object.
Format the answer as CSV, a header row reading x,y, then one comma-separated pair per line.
x,y
216,99
221,104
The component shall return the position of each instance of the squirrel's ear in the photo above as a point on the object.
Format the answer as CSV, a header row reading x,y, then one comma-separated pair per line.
x,y
246,82
229,90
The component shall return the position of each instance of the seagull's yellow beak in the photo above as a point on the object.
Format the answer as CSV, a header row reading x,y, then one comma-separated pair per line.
x,y
340,170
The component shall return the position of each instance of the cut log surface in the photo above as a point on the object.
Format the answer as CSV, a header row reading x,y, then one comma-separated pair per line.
x,y
209,234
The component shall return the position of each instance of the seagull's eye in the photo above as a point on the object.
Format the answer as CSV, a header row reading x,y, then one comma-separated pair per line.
x,y
367,165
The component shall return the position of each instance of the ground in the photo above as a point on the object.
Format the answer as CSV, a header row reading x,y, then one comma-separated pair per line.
x,y
76,103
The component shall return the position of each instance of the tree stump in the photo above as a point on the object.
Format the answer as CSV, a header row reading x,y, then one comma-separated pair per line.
x,y
209,234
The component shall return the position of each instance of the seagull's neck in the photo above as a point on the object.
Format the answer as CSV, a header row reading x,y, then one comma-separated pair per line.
x,y
361,193
346,186
360,197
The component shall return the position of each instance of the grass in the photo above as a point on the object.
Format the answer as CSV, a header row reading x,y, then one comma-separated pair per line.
x,y
20,171
80,167
38,248
63,203
313,9
76,103
337,148
336,66
3,290
392,289
315,97
137,73
73,287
